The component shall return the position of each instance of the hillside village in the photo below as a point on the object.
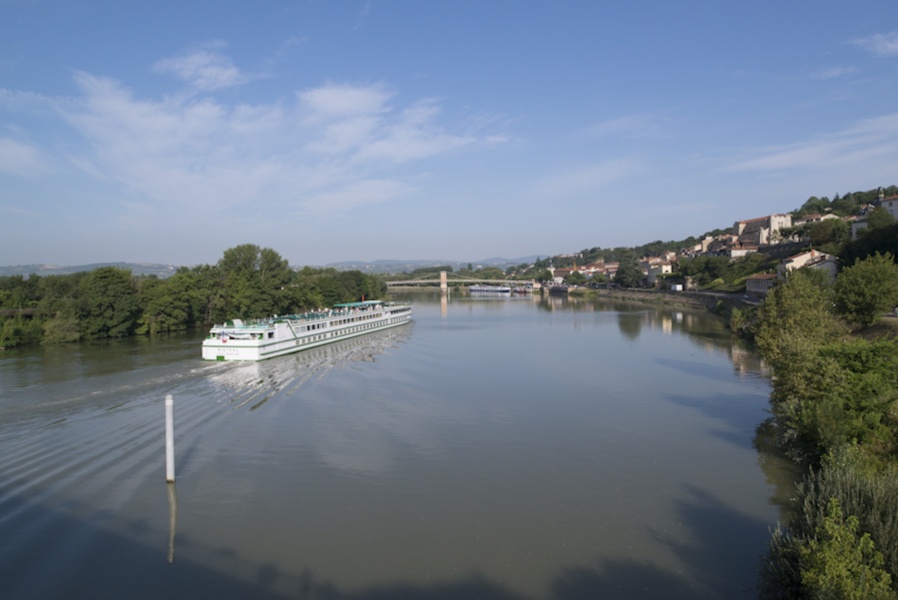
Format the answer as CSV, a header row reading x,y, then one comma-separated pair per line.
x,y
784,240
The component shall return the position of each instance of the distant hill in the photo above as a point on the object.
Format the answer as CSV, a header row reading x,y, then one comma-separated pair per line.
x,y
162,271
400,266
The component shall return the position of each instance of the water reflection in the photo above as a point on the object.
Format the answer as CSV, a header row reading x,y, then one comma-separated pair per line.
x,y
256,382
630,324
172,519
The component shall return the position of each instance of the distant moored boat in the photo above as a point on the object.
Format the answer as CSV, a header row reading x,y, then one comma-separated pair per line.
x,y
490,289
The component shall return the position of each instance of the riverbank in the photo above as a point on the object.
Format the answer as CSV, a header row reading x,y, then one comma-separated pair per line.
x,y
715,301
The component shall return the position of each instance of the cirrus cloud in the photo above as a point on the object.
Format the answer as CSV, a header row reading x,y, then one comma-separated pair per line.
x,y
880,44
866,141
204,69
341,145
17,158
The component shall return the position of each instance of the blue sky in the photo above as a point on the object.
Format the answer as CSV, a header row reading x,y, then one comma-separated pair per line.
x,y
450,130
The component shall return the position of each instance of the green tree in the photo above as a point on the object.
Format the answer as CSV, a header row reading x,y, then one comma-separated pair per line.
x,y
491,273
164,308
575,278
110,306
846,400
794,322
18,331
306,290
829,232
629,273
879,218
254,281
60,307
845,206
880,240
867,289
842,564
814,205
19,291
705,269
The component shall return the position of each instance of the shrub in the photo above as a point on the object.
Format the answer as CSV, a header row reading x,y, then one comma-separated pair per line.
x,y
841,563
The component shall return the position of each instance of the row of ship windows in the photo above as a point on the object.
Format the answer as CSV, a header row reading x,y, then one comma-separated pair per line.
x,y
343,321
316,338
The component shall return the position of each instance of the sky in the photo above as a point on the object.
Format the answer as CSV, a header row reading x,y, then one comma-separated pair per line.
x,y
450,130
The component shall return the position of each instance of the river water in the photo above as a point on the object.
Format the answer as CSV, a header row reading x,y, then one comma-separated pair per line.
x,y
494,448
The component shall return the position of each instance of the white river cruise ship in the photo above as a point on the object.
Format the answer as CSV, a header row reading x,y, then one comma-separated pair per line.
x,y
261,339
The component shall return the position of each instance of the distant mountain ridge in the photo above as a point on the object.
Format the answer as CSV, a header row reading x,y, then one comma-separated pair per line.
x,y
399,266
162,270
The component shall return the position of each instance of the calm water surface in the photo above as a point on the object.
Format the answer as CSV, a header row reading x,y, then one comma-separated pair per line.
x,y
503,449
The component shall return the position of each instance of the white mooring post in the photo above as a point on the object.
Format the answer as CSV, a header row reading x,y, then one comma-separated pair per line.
x,y
169,439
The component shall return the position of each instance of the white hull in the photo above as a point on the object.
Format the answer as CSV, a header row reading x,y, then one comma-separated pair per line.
x,y
285,335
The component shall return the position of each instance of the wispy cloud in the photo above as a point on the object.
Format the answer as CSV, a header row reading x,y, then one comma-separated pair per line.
x,y
204,69
833,73
636,126
335,101
867,140
880,44
329,149
17,158
13,210
585,180
361,15
356,194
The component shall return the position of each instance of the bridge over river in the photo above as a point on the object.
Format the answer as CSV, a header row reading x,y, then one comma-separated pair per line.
x,y
445,280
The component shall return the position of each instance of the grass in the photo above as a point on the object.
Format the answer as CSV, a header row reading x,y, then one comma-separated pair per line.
x,y
885,328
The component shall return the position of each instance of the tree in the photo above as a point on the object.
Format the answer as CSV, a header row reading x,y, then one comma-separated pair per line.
x,y
17,331
164,309
794,322
110,306
814,205
845,206
840,563
705,269
575,278
254,281
629,273
879,218
829,231
867,289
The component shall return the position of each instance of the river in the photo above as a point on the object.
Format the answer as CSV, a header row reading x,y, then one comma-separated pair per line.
x,y
500,448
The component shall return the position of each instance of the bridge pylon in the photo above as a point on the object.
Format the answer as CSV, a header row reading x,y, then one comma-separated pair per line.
x,y
444,284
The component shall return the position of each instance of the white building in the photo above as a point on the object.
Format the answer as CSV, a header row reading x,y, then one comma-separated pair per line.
x,y
761,231
812,259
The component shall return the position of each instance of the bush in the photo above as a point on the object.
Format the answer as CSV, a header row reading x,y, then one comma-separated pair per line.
x,y
869,495
844,543
839,562
16,331
867,289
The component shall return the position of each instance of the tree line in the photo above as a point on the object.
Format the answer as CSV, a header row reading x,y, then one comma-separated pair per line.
x,y
834,410
109,302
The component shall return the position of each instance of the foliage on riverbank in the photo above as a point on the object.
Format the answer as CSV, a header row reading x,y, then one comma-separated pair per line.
x,y
834,408
108,302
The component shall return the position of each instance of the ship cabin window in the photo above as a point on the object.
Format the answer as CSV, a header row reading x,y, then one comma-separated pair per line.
x,y
270,335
